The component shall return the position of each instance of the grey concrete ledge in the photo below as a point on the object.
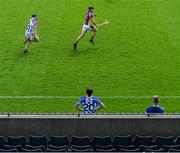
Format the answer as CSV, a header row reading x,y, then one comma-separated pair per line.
x,y
151,116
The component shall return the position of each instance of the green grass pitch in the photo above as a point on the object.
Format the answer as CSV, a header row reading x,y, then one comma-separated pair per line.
x,y
137,54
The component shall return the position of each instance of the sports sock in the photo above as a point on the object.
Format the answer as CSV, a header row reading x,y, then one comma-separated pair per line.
x,y
92,37
76,42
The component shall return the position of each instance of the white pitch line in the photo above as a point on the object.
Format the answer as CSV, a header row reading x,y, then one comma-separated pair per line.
x,y
77,97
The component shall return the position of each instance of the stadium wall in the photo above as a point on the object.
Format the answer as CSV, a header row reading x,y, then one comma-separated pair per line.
x,y
163,125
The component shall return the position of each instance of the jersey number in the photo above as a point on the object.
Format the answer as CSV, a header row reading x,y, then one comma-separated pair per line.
x,y
89,107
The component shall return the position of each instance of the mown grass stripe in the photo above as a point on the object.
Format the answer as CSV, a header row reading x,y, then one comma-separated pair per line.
x,y
76,97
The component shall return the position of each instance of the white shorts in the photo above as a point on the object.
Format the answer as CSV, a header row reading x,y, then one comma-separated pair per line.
x,y
87,27
30,35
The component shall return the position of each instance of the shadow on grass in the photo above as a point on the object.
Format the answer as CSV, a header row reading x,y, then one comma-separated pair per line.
x,y
81,51
20,54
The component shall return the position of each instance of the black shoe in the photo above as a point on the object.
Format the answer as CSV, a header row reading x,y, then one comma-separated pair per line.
x,y
91,41
75,46
25,51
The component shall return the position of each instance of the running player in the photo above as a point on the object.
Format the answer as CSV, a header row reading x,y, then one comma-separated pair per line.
x,y
89,104
30,33
89,24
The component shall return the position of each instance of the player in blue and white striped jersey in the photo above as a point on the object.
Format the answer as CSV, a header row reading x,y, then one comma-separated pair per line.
x,y
89,104
31,32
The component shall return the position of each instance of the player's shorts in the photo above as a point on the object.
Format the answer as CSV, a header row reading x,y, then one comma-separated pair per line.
x,y
87,27
30,35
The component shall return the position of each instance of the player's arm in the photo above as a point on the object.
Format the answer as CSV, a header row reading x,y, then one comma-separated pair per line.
x,y
101,106
34,27
148,110
77,106
93,15
92,19
94,22
33,30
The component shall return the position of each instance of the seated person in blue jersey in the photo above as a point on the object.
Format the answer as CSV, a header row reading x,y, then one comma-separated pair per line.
x,y
89,104
155,108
